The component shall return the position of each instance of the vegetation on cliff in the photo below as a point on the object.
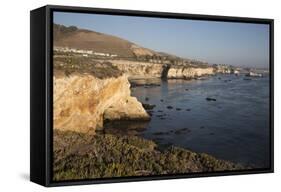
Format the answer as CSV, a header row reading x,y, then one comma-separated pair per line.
x,y
85,156
99,42
76,64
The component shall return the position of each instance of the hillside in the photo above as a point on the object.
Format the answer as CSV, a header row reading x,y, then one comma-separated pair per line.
x,y
74,37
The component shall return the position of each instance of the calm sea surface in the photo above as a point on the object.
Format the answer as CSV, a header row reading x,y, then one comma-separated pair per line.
x,y
235,127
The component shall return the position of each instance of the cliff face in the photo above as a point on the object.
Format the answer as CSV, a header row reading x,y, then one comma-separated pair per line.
x,y
189,72
92,92
145,69
82,101
139,69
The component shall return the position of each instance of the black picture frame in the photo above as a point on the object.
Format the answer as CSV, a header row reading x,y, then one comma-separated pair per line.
x,y
41,92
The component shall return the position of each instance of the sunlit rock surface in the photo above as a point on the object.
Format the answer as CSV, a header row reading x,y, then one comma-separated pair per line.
x,y
81,101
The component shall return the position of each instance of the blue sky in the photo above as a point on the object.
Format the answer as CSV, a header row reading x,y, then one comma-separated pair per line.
x,y
239,44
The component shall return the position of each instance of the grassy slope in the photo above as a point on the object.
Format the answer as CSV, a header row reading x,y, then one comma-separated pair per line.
x,y
86,65
91,40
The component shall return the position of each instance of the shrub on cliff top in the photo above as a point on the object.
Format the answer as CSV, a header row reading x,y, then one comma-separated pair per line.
x,y
78,64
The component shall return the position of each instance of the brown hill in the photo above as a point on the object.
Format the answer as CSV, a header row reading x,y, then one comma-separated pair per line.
x,y
74,37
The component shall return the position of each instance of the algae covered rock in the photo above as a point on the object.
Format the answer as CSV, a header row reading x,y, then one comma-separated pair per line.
x,y
85,156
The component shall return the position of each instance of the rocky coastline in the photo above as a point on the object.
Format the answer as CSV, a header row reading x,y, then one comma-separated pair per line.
x,y
92,83
85,156
89,93
83,101
138,69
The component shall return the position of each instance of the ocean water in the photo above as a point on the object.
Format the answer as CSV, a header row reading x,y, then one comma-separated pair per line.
x,y
235,127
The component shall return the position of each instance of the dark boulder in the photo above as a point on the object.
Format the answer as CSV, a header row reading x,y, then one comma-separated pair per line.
x,y
148,106
210,99
169,107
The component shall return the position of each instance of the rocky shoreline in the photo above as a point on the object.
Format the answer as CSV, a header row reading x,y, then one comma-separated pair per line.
x,y
87,156
92,103
88,94
83,99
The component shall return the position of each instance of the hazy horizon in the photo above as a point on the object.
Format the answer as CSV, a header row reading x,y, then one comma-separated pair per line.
x,y
238,44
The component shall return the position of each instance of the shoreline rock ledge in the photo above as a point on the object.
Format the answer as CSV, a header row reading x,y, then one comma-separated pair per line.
x,y
82,101
107,155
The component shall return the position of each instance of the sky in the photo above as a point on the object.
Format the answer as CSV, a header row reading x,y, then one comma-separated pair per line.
x,y
238,44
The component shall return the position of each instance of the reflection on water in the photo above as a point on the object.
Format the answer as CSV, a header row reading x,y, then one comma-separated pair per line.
x,y
234,126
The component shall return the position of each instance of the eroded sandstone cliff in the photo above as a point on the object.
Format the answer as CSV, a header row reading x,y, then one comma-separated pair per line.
x,y
147,69
138,68
88,92
189,72
82,101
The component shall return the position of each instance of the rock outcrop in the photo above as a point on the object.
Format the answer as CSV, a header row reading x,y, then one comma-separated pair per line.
x,y
82,101
83,156
146,69
224,69
181,72
138,68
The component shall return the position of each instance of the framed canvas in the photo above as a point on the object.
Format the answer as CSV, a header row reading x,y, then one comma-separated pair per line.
x,y
120,95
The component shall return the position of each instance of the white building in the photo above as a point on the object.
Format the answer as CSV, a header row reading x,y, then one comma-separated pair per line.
x,y
83,52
